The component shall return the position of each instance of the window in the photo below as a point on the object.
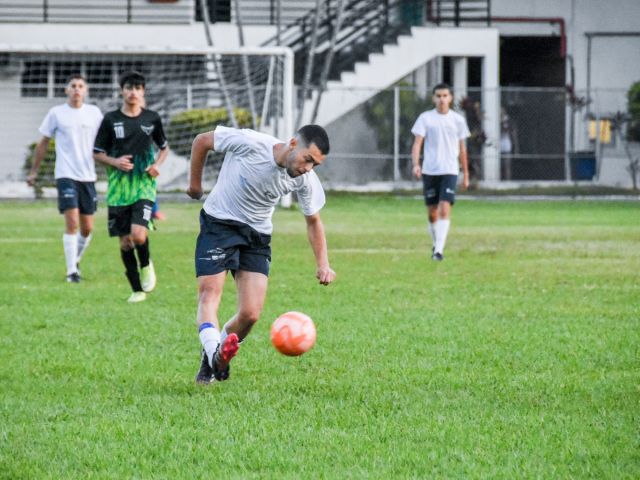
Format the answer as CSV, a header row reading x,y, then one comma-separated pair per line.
x,y
61,72
219,11
35,78
100,76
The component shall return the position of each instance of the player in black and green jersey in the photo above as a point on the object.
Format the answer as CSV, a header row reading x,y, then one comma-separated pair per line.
x,y
125,144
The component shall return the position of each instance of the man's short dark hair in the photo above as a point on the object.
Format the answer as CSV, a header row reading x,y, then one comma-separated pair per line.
x,y
132,78
314,134
76,76
442,86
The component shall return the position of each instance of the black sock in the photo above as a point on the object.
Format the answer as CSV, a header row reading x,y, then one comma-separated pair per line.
x,y
130,263
143,253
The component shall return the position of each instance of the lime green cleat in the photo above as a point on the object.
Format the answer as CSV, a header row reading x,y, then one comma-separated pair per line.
x,y
137,297
148,277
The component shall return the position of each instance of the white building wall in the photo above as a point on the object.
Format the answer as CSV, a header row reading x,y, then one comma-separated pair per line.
x,y
615,61
19,122
79,36
20,116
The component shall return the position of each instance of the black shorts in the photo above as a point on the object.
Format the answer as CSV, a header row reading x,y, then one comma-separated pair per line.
x,y
121,218
229,245
75,194
439,188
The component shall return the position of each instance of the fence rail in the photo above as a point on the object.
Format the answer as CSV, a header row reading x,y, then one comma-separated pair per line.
x,y
254,12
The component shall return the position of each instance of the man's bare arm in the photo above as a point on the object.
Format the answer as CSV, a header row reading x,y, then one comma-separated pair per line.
x,y
416,151
464,164
200,147
318,241
38,156
123,163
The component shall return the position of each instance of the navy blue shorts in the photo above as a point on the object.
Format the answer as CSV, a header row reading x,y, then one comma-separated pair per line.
x,y
439,188
75,194
229,245
121,217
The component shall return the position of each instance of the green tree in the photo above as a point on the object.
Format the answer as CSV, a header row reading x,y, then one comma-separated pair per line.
x,y
45,176
184,126
378,113
633,97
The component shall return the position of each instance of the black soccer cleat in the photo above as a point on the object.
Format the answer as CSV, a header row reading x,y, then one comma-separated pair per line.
x,y
221,374
73,278
437,256
205,375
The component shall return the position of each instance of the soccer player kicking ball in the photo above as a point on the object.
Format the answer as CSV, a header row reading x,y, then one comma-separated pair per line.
x,y
235,227
125,144
74,125
443,132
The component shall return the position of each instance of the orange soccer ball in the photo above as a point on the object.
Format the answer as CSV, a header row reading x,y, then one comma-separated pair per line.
x,y
293,333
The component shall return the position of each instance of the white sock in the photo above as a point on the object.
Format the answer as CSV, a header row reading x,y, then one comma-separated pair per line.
x,y
442,229
210,339
83,243
70,244
432,232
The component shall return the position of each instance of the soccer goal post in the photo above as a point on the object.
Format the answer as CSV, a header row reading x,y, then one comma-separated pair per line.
x,y
193,90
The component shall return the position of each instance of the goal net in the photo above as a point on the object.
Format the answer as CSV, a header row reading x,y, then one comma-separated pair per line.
x,y
192,90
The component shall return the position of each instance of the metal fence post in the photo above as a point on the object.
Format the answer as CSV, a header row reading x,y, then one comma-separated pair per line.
x,y
396,134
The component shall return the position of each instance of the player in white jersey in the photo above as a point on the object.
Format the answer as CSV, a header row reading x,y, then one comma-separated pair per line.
x,y
74,125
235,227
442,132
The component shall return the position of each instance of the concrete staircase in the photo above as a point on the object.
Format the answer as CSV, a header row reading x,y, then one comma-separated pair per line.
x,y
383,70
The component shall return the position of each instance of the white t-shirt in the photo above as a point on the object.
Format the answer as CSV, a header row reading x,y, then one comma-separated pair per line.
x,y
442,133
250,182
74,130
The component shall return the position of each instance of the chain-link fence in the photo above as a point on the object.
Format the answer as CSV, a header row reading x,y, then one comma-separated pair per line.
x,y
545,135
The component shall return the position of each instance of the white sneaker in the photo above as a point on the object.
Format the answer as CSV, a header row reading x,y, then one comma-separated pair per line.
x,y
137,297
148,277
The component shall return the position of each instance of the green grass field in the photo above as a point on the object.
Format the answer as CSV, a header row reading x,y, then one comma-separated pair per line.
x,y
516,357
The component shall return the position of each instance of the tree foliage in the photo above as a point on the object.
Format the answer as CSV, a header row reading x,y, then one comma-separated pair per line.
x,y
633,97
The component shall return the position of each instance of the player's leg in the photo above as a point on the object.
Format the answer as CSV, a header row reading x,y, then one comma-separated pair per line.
x,y
140,219
442,227
251,280
429,184
210,288
156,214
252,291
84,235
446,199
88,203
214,256
70,243
432,214
68,198
127,253
120,226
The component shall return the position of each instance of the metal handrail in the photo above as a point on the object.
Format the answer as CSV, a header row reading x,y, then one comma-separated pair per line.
x,y
458,11
366,26
46,11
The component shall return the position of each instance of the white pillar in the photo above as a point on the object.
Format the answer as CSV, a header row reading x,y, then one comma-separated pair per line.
x,y
434,73
491,112
460,67
396,134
